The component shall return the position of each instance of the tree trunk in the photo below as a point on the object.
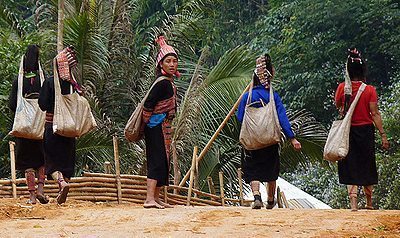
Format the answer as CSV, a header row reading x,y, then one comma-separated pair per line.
x,y
60,33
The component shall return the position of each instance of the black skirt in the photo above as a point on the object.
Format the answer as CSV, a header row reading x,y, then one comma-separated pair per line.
x,y
28,154
261,165
157,162
60,153
359,166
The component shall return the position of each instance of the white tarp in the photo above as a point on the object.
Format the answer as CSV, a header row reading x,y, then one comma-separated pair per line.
x,y
291,192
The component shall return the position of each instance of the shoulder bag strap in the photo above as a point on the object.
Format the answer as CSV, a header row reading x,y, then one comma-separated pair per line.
x,y
271,95
248,101
20,81
41,75
354,103
155,82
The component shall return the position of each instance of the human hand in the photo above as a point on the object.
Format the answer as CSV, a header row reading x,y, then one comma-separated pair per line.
x,y
296,144
385,142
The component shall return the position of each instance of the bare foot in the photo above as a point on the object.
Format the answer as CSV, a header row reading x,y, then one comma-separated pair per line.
x,y
166,205
152,204
32,198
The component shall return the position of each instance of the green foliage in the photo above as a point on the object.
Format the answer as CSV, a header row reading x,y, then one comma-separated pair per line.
x,y
390,107
388,189
308,41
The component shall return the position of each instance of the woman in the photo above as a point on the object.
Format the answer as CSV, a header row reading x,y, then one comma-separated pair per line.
x,y
263,165
59,150
29,153
359,166
159,110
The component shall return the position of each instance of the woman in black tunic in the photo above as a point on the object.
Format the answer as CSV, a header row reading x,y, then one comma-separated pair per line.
x,y
59,150
359,166
159,110
29,153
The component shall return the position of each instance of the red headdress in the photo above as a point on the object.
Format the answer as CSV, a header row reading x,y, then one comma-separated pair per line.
x,y
165,49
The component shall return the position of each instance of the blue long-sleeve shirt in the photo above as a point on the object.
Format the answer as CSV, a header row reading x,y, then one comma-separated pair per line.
x,y
259,92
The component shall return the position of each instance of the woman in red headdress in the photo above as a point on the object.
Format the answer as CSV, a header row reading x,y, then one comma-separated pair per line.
x,y
159,110
59,150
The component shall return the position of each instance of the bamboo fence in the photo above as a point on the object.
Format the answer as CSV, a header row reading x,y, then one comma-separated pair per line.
x,y
107,187
101,187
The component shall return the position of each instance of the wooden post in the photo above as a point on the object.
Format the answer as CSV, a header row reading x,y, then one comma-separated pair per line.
x,y
13,175
210,183
221,187
284,201
278,197
216,133
175,163
117,169
192,171
196,177
239,171
107,167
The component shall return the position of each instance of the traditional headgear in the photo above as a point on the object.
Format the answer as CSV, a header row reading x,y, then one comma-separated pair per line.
x,y
165,49
66,60
354,55
263,74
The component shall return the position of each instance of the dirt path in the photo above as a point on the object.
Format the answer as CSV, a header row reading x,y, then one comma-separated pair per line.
x,y
92,220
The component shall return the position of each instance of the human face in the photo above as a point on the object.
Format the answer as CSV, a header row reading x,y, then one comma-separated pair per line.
x,y
170,65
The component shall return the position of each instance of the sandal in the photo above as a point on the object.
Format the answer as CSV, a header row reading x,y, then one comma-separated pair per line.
x,y
62,196
369,207
270,204
257,204
42,199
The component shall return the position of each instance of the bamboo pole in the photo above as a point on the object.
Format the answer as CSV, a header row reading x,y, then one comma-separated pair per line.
x,y
239,171
13,174
196,177
196,200
125,181
278,197
285,202
200,193
210,185
83,179
177,201
216,133
177,173
221,187
103,175
107,167
117,170
233,200
192,171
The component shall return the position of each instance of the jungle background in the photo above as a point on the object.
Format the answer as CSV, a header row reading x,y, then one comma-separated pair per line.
x,y
217,43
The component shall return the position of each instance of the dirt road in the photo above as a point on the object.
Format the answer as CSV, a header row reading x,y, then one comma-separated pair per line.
x,y
92,220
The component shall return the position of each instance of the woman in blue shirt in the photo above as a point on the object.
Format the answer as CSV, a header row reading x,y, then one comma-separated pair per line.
x,y
263,165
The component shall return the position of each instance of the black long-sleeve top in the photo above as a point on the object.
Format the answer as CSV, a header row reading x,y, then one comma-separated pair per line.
x,y
30,90
161,91
46,98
